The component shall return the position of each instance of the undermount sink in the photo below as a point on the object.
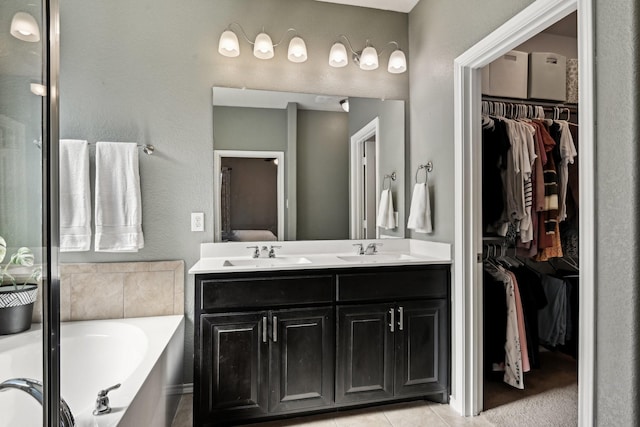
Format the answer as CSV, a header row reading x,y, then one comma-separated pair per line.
x,y
376,258
265,262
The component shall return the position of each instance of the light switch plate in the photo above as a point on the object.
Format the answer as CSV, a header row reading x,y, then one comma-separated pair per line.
x,y
197,221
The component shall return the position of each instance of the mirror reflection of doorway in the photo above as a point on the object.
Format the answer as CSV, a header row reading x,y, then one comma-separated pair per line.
x,y
364,182
249,199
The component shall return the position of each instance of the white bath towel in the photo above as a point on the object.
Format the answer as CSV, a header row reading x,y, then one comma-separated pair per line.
x,y
420,211
386,218
118,198
75,196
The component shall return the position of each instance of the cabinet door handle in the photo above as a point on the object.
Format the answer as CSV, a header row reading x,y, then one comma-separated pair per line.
x,y
392,323
401,318
264,328
275,329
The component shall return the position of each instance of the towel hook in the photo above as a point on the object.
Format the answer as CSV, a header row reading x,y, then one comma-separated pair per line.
x,y
391,177
428,167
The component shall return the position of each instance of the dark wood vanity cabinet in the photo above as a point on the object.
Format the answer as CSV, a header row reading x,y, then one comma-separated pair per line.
x,y
276,343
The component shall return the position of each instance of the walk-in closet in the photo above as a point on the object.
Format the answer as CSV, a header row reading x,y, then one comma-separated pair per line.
x,y
531,274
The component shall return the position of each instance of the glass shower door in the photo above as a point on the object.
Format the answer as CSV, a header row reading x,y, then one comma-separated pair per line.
x,y
27,165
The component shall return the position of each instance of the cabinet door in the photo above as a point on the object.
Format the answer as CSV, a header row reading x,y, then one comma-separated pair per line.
x,y
301,359
233,366
365,353
421,348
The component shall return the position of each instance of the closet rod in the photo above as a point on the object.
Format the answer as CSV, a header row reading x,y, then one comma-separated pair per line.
x,y
533,102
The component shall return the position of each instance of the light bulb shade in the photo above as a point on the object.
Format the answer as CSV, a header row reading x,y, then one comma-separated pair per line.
x,y
25,27
263,47
228,45
369,59
338,55
397,62
297,50
345,105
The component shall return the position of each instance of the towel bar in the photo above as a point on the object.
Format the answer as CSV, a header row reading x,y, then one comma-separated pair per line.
x,y
428,167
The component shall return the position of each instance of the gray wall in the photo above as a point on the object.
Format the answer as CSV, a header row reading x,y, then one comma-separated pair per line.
x,y
323,175
440,31
255,129
618,303
391,114
143,71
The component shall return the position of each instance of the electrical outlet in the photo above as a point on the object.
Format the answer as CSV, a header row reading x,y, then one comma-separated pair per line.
x,y
197,221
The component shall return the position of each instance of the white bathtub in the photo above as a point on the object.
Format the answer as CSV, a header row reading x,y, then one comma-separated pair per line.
x,y
144,354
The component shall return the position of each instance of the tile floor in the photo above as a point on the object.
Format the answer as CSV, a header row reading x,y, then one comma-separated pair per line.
x,y
410,414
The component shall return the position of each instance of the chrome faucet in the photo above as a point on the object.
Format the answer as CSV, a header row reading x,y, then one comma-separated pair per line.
x,y
102,401
34,389
359,248
372,248
272,252
256,251
264,252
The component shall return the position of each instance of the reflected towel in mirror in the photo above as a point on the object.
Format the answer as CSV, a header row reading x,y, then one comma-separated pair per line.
x,y
420,211
386,218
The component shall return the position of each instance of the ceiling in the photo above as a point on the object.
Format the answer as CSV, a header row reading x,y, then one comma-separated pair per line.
x,y
404,6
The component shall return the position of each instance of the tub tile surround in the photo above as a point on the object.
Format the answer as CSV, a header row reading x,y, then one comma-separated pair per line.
x,y
321,253
91,291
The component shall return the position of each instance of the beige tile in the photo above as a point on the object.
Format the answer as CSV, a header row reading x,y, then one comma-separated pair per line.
x,y
97,296
77,268
412,414
362,418
65,297
184,414
165,265
320,420
453,419
121,267
178,292
148,293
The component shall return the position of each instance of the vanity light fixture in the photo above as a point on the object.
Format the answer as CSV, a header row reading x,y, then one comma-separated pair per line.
x,y
345,105
367,59
263,46
24,27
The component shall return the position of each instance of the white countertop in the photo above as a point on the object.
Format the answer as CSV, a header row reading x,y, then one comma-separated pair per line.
x,y
318,254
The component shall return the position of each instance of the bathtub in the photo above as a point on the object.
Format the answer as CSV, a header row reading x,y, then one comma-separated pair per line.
x,y
143,354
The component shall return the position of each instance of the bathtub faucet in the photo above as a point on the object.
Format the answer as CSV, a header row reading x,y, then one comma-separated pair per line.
x,y
102,401
34,389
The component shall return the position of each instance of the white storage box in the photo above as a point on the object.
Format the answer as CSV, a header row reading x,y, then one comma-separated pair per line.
x,y
547,76
507,75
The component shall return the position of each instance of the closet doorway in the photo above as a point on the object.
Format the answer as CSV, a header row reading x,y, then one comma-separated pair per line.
x,y
467,373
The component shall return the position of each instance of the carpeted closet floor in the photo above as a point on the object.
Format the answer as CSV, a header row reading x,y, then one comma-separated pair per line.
x,y
550,397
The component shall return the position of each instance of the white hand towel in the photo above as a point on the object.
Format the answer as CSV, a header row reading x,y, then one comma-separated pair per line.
x,y
118,198
420,211
386,218
75,196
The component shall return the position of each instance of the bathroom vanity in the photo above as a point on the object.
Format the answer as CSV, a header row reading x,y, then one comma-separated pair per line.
x,y
318,332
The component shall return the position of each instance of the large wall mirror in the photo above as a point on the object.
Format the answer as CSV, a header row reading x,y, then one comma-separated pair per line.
x,y
314,143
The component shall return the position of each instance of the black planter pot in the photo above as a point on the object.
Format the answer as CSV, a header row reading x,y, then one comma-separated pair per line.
x,y
16,308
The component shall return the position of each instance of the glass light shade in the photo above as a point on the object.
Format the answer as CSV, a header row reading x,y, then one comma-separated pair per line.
x,y
38,89
228,45
397,62
25,27
297,50
338,55
345,105
369,59
263,47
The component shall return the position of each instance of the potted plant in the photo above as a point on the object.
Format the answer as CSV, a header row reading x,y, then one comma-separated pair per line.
x,y
16,300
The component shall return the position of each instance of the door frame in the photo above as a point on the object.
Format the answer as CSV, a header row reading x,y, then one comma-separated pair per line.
x,y
467,345
355,178
217,185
